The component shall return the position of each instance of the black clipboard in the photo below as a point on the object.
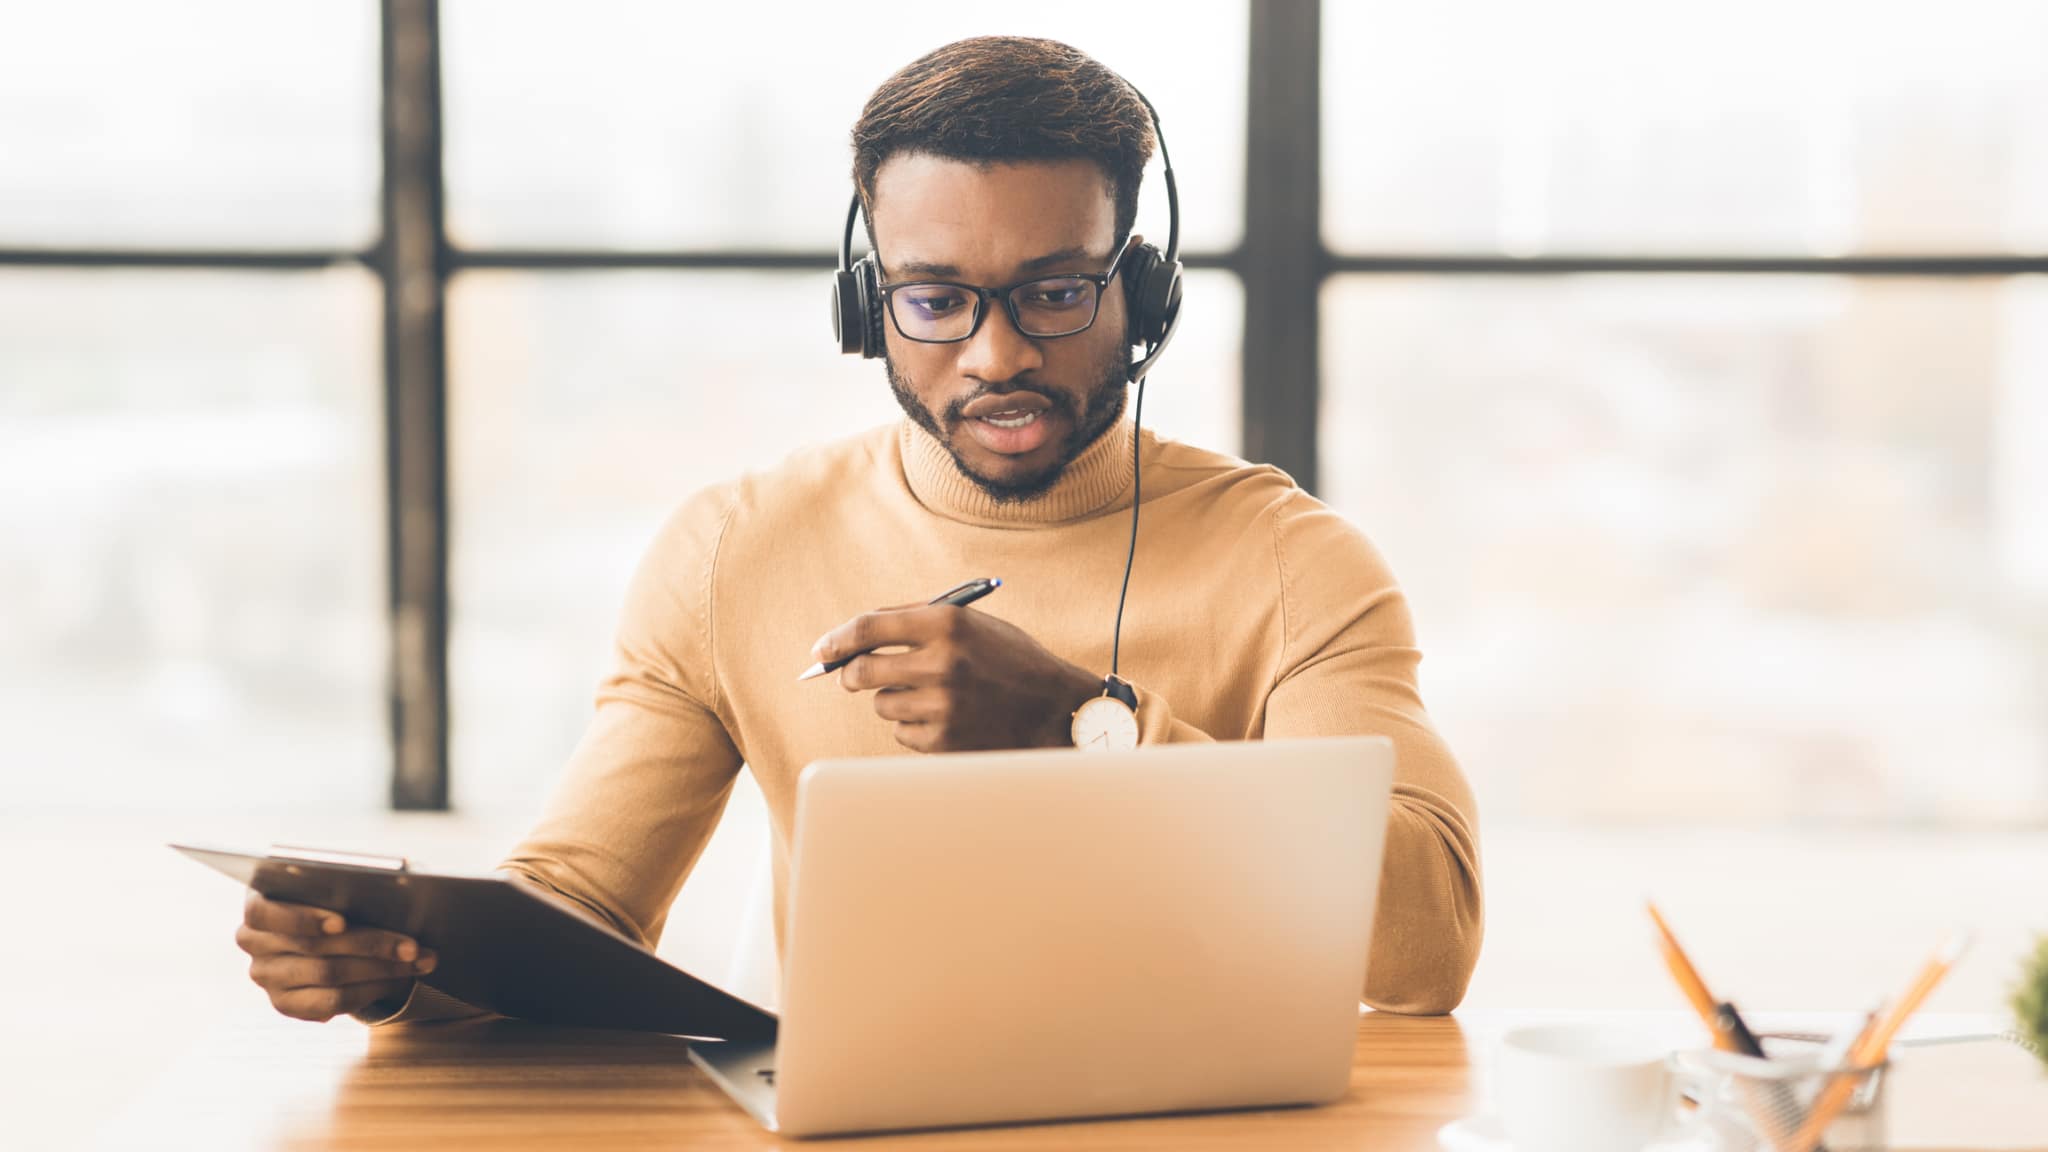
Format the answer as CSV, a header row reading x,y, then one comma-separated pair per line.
x,y
502,945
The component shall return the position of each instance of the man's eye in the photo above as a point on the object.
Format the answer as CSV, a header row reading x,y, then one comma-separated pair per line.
x,y
1057,294
935,304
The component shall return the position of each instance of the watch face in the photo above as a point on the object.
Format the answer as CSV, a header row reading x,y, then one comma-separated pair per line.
x,y
1104,724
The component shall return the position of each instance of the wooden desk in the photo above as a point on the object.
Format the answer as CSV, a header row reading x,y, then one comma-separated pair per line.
x,y
505,1085
610,1092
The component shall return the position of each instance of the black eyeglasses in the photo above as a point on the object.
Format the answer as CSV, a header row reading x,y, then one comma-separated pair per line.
x,y
940,312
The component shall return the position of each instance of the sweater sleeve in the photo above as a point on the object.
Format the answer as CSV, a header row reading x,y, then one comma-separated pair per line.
x,y
1349,668
646,785
1158,725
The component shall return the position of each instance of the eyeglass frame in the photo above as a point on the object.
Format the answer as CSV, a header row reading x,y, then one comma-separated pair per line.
x,y
982,296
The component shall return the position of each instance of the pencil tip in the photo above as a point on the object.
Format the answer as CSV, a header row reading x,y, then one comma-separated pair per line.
x,y
811,673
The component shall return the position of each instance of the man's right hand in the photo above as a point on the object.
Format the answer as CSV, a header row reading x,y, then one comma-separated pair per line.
x,y
315,967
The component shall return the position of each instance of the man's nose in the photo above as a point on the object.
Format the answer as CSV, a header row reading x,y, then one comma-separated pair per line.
x,y
998,351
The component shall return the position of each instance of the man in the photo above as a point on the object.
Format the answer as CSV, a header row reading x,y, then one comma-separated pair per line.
x,y
1254,611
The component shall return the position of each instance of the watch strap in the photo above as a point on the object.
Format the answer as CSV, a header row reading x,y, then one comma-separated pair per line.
x,y
1120,688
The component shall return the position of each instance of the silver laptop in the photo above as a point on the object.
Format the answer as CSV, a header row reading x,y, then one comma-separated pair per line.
x,y
1018,936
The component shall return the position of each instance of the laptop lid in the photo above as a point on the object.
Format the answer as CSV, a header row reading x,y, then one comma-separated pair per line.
x,y
1034,935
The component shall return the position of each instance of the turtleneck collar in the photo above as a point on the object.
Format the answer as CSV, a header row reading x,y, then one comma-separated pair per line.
x,y
1098,480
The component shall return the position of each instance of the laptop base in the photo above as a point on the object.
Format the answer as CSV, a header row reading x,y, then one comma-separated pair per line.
x,y
745,1069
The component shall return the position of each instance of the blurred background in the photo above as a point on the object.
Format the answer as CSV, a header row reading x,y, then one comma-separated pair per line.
x,y
1689,363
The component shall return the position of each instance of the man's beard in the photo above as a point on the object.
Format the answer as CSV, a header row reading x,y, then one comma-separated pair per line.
x,y
1105,406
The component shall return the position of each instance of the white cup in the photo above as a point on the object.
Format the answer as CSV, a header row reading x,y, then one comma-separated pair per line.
x,y
1584,1088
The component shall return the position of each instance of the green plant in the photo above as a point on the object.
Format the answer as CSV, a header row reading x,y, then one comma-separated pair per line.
x,y
2030,1001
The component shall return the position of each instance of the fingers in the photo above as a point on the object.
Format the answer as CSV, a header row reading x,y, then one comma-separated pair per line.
x,y
370,942
285,919
918,716
889,627
283,972
918,737
909,705
313,966
890,670
321,1004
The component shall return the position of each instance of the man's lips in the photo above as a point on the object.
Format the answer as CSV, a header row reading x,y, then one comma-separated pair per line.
x,y
1015,423
1005,405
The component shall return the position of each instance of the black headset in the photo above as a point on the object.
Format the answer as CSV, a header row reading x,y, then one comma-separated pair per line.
x,y
1152,287
1152,282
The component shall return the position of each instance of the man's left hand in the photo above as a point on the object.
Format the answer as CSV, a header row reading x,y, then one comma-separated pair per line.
x,y
964,681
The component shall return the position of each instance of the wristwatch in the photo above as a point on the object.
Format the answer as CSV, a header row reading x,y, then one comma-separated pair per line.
x,y
1109,722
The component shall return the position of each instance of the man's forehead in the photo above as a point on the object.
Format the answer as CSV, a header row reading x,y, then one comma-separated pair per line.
x,y
935,215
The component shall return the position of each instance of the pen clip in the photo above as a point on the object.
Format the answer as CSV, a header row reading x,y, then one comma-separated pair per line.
x,y
958,589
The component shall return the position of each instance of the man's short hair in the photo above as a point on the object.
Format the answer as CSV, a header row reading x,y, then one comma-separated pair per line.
x,y
992,99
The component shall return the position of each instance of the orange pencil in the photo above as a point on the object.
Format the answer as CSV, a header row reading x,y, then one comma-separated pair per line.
x,y
1689,981
1870,1048
1724,1023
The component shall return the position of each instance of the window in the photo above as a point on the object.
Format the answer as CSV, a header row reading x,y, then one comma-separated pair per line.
x,y
232,124
647,125
1711,546
1815,129
1689,368
191,487
191,456
585,405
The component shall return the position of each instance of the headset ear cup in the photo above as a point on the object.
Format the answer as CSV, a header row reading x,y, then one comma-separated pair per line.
x,y
1138,268
872,306
1169,303
1154,289
849,323
857,310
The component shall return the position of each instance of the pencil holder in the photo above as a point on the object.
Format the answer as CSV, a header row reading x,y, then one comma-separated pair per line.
x,y
1753,1105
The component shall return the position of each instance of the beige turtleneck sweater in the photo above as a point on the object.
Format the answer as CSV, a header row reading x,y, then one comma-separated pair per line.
x,y
1255,612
